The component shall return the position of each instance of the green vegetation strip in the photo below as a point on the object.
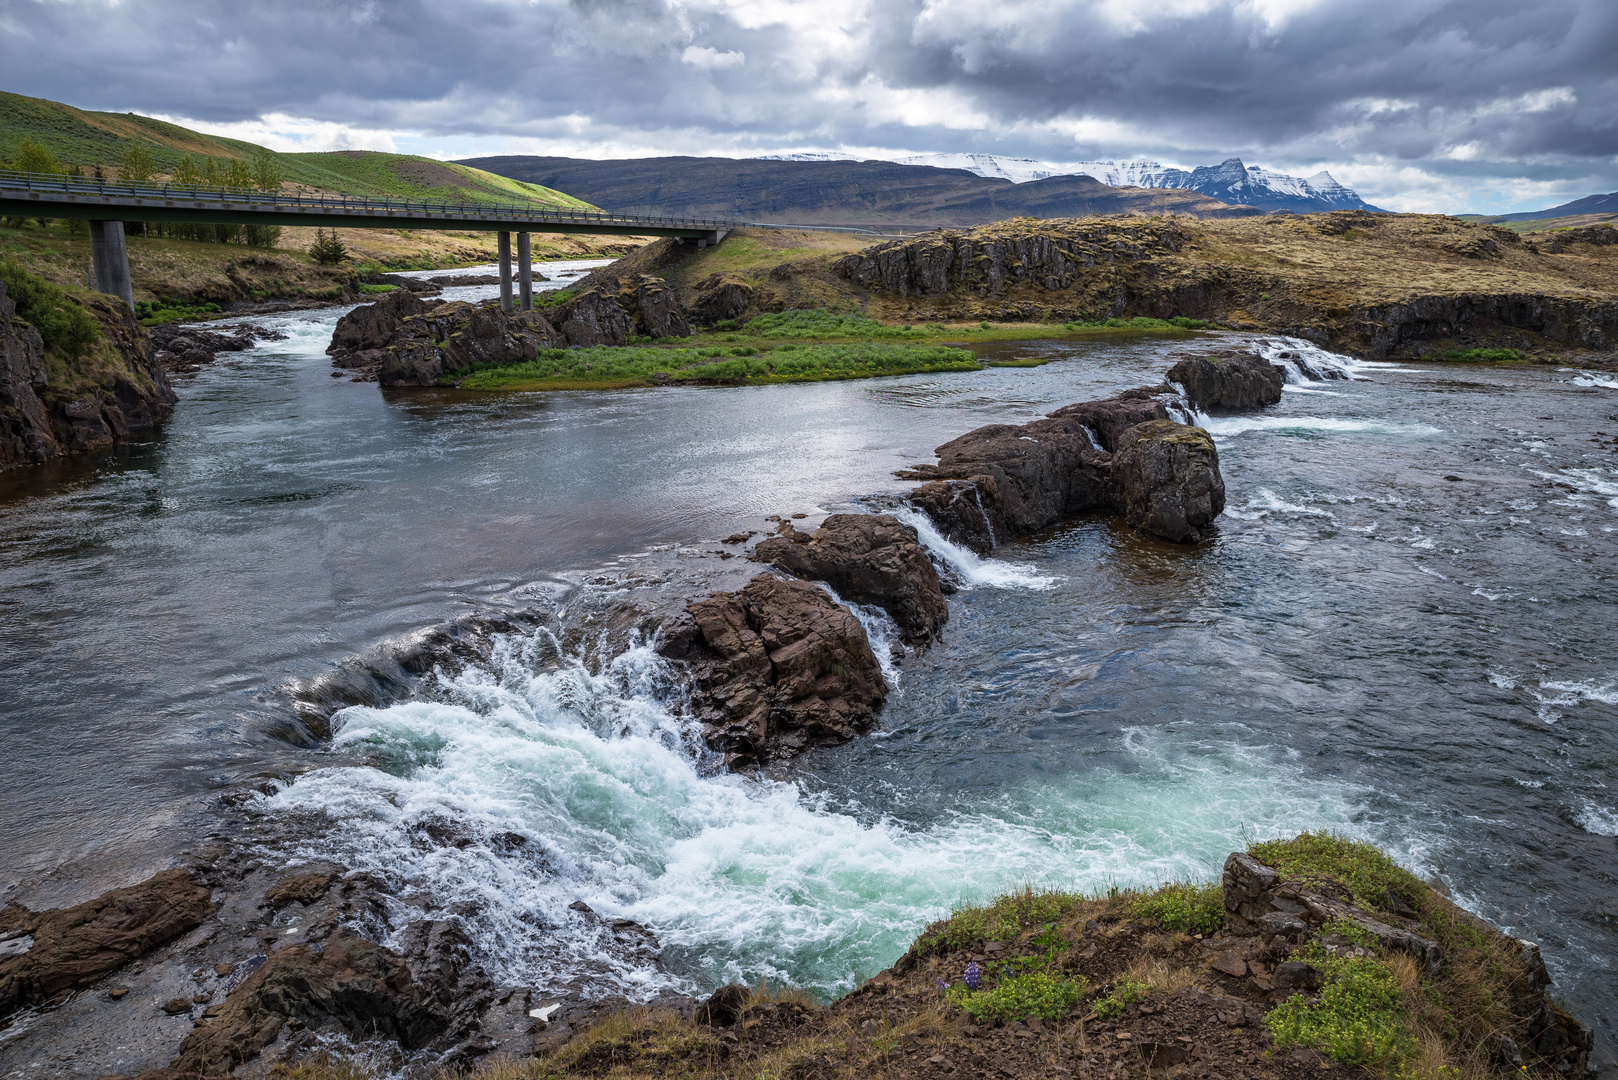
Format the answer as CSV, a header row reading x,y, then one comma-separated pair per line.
x,y
64,325
606,367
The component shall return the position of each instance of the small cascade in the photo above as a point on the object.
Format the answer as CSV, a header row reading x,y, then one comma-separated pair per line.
x,y
965,567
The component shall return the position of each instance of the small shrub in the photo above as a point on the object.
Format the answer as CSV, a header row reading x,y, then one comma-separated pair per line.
x,y
327,250
1358,1018
1036,993
62,323
725,324
1191,909
1000,920
1125,992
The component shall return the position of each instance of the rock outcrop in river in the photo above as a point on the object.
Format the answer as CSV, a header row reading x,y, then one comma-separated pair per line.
x,y
1121,454
869,559
92,396
1228,381
777,666
406,341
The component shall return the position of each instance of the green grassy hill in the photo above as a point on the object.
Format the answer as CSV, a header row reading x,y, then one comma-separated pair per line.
x,y
91,139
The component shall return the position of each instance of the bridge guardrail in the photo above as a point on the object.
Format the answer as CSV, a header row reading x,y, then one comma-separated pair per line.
x,y
116,189
56,183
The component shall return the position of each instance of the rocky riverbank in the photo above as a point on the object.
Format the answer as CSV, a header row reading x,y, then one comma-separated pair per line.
x,y
91,384
1313,956
1379,286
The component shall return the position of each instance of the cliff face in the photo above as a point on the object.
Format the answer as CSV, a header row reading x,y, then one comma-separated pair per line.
x,y
1379,285
52,404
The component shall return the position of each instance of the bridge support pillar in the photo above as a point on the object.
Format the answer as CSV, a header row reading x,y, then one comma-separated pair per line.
x,y
505,272
525,273
111,260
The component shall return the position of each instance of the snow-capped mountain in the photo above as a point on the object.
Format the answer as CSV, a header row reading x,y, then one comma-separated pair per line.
x,y
1230,181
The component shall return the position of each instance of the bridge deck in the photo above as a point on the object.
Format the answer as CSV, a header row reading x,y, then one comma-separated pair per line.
x,y
35,195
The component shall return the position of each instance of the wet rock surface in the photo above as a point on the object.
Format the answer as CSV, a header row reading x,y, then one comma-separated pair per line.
x,y
1167,476
459,337
868,559
45,953
1119,454
1228,381
361,336
777,666
186,347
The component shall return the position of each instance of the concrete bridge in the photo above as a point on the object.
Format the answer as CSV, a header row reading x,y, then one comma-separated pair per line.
x,y
107,204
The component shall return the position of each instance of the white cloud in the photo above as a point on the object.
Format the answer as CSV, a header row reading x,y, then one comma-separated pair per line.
x,y
289,134
703,57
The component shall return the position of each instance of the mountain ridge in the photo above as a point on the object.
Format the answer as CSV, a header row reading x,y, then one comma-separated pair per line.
x,y
1230,181
853,193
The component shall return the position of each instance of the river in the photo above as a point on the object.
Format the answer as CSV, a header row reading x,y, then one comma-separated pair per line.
x,y
1402,630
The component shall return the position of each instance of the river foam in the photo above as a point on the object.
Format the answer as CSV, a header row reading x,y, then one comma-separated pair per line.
x,y
539,780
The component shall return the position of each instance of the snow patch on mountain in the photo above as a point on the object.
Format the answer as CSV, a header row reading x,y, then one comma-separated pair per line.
x,y
1230,181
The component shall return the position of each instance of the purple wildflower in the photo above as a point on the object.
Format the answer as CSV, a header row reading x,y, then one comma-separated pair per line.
x,y
973,974
943,987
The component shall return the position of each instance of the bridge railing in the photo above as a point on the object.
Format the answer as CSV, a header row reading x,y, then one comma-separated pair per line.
x,y
56,184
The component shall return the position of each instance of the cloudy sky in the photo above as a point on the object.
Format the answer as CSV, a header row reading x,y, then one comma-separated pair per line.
x,y
1452,105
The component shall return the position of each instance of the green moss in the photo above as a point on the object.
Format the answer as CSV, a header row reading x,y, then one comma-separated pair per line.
x,y
1124,993
1021,361
818,323
606,366
1140,322
1370,876
1036,993
1191,909
1001,919
373,289
1485,356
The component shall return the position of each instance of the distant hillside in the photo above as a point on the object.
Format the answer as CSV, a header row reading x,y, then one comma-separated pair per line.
x,y
862,193
1230,181
92,139
1604,205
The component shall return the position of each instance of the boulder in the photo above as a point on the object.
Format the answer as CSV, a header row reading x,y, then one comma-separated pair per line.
x,y
372,326
26,436
458,337
724,1006
1229,381
594,318
351,984
869,559
1104,421
777,667
719,296
51,951
656,308
1168,480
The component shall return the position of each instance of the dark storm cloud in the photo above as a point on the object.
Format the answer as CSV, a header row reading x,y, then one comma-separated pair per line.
x,y
1443,92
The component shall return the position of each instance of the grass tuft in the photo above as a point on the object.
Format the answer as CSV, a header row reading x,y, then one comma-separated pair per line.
x,y
1190,909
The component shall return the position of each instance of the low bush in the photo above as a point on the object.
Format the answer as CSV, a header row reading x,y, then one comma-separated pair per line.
x,y
1035,993
1357,1018
1124,993
1002,919
1484,355
63,324
1191,909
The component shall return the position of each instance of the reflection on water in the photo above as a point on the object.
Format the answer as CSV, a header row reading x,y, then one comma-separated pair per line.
x,y
1365,645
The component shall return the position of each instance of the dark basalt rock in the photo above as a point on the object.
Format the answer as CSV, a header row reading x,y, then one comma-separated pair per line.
x,y
186,347
1168,480
777,666
1003,481
126,392
1229,381
966,511
459,337
352,984
362,333
724,1006
73,947
868,559
594,318
718,296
